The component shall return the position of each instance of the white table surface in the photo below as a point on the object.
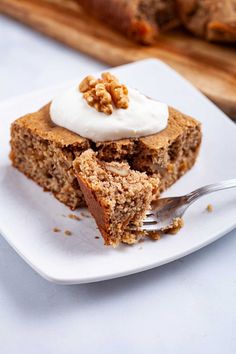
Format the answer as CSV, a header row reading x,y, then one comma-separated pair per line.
x,y
188,306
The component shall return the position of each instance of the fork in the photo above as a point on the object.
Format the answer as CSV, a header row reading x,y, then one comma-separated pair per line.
x,y
166,210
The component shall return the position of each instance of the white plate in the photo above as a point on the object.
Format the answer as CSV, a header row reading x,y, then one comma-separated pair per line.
x,y
28,215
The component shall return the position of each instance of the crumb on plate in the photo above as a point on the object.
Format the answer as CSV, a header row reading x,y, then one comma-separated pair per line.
x,y
74,217
209,208
68,233
154,235
55,229
85,215
177,224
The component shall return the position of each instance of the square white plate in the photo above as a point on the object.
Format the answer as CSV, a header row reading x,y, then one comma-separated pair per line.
x,y
28,215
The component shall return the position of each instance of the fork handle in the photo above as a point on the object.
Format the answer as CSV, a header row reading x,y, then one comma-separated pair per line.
x,y
191,197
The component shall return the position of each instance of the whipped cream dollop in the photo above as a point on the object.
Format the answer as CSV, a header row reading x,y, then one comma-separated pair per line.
x,y
143,117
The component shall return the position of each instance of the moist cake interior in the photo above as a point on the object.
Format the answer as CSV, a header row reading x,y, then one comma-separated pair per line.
x,y
117,196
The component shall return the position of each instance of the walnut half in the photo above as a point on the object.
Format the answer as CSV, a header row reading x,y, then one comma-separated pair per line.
x,y
120,171
104,94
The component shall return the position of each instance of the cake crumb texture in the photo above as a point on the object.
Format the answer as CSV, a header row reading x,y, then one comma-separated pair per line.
x,y
115,201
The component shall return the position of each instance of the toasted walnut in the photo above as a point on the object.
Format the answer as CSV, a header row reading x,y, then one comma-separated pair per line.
x,y
118,91
105,93
99,99
108,77
104,98
87,83
120,171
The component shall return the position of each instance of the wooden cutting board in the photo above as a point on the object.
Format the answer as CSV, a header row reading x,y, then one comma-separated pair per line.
x,y
210,67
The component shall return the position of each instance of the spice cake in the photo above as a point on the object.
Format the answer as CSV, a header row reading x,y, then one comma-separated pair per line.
x,y
45,152
109,146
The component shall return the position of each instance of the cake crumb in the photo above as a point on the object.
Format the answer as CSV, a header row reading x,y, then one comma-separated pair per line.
x,y
154,235
209,208
68,233
74,217
55,229
85,215
177,224
97,237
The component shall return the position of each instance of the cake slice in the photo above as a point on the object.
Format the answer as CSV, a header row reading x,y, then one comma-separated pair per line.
x,y
45,153
117,196
109,146
121,125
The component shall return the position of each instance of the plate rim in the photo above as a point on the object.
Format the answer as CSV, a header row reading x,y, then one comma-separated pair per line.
x,y
138,268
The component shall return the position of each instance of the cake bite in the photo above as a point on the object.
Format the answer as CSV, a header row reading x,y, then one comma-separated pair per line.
x,y
117,196
106,145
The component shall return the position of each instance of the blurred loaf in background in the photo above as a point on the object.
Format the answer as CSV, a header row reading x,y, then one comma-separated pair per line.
x,y
215,20
144,20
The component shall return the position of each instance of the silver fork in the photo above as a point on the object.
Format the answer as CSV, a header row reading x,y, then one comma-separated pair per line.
x,y
165,210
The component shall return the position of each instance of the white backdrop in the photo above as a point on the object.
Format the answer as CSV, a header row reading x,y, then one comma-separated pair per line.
x,y
188,306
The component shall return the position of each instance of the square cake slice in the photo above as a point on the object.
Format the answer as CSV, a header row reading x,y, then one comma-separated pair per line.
x,y
45,153
116,196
